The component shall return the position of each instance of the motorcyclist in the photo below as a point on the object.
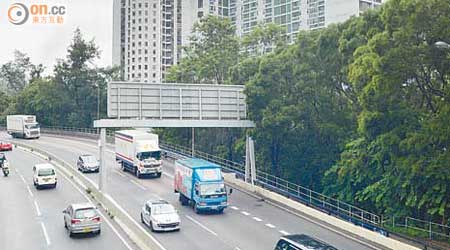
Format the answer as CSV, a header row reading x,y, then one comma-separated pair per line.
x,y
2,159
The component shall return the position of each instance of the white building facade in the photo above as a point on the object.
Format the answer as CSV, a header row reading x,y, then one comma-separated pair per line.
x,y
148,35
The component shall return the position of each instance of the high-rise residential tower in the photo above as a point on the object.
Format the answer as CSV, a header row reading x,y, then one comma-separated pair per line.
x,y
148,35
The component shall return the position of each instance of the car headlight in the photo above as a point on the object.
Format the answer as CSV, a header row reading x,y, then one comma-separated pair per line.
x,y
202,203
223,203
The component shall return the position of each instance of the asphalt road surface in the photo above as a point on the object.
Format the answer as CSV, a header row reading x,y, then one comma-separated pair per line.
x,y
33,219
248,224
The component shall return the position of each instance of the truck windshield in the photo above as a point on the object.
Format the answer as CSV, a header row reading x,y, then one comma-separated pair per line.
x,y
148,155
212,189
32,126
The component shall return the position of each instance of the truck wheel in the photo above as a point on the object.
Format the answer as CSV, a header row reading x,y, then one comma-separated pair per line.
x,y
122,166
196,209
138,175
158,175
183,200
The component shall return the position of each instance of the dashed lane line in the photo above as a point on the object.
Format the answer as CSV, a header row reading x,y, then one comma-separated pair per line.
x,y
38,211
138,184
201,225
47,238
257,219
283,232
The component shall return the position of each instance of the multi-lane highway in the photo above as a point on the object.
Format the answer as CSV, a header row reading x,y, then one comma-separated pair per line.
x,y
248,224
32,219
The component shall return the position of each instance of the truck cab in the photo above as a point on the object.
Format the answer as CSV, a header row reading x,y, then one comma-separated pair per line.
x,y
201,185
148,158
138,152
23,126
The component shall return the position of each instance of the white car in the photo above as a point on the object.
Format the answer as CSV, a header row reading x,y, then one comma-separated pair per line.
x,y
44,175
159,215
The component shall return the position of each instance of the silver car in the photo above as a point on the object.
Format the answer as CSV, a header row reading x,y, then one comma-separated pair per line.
x,y
88,163
82,218
159,215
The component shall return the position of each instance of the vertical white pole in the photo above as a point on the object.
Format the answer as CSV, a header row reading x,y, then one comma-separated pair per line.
x,y
193,142
102,144
247,159
252,160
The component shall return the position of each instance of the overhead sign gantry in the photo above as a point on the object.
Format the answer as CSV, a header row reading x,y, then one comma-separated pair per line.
x,y
153,105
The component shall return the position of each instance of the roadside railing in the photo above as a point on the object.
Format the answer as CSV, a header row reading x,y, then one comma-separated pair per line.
x,y
424,229
293,191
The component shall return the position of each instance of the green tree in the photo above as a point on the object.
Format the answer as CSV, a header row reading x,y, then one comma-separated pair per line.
x,y
17,74
264,38
397,163
212,51
85,84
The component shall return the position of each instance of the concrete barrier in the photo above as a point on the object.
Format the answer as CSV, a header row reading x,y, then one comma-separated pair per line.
x,y
143,239
318,215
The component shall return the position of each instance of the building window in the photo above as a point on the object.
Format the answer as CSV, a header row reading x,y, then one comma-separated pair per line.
x,y
200,14
200,3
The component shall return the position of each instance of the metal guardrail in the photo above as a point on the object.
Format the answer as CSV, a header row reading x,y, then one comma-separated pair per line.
x,y
291,190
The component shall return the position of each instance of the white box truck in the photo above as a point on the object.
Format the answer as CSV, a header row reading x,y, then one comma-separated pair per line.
x,y
23,126
138,152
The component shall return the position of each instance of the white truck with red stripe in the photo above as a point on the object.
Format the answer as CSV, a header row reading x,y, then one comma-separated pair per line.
x,y
138,152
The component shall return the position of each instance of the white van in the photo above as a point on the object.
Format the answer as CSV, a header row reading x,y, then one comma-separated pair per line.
x,y
44,175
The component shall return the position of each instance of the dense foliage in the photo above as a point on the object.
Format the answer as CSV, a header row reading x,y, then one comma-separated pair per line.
x,y
71,96
359,110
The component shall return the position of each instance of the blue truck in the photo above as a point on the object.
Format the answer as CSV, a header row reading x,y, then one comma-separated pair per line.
x,y
200,184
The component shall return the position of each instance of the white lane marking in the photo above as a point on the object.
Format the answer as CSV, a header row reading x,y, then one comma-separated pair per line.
x,y
29,192
168,175
47,239
17,171
270,225
257,219
119,173
201,225
234,208
138,184
283,232
237,248
23,179
101,214
38,211
245,213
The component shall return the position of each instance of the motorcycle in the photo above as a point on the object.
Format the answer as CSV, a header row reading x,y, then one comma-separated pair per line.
x,y
5,169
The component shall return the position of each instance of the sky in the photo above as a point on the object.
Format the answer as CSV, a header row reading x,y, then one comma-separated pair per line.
x,y
44,43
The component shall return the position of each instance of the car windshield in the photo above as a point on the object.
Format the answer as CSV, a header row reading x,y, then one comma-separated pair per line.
x,y
147,155
46,172
212,189
32,126
85,213
163,209
89,159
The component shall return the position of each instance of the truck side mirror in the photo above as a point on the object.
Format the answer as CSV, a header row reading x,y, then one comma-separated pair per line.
x,y
230,191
